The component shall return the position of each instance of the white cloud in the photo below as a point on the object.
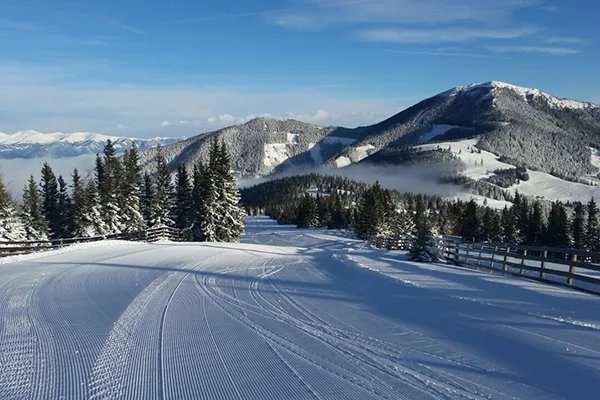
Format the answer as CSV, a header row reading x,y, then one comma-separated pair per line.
x,y
314,14
555,51
452,34
32,101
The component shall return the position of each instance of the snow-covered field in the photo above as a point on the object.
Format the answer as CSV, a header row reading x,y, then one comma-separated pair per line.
x,y
482,165
287,314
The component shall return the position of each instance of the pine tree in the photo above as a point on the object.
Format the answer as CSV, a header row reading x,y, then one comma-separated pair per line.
x,y
131,216
183,210
521,212
537,227
80,205
307,214
592,238
65,210
338,216
160,208
375,211
230,215
199,191
49,194
558,227
578,226
423,248
470,229
93,223
509,230
32,213
11,225
109,172
403,227
147,198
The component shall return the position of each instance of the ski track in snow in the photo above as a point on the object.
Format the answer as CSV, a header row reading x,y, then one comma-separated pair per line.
x,y
287,313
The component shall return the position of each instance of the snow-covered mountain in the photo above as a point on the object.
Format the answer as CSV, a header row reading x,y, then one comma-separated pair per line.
x,y
531,127
32,144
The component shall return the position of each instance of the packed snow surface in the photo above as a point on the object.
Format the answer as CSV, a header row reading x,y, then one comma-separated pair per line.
x,y
286,314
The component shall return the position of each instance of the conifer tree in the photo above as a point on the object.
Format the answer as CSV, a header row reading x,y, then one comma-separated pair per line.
x,y
65,210
578,226
509,229
49,194
147,198
230,215
403,227
558,227
470,229
338,217
199,191
80,205
307,214
32,213
109,172
131,215
183,211
93,223
521,212
11,225
423,248
592,238
160,208
537,227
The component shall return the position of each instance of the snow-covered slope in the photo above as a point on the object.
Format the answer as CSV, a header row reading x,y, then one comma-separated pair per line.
x,y
287,314
481,165
33,144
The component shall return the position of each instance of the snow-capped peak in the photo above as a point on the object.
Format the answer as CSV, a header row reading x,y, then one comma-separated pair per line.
x,y
34,137
526,93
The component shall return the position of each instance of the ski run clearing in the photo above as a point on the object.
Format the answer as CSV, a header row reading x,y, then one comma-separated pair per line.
x,y
286,314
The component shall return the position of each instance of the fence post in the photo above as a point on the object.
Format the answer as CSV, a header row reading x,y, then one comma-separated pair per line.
x,y
504,266
523,262
479,256
456,253
492,260
572,269
467,255
543,265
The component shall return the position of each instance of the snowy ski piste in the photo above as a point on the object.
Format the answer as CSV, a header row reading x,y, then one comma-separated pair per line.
x,y
286,314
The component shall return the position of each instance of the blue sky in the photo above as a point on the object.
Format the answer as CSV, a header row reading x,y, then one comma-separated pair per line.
x,y
148,68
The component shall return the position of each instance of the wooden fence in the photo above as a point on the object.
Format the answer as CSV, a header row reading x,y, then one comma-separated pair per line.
x,y
390,243
567,267
150,235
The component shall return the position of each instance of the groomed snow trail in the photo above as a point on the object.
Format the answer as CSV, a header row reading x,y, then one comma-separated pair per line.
x,y
286,314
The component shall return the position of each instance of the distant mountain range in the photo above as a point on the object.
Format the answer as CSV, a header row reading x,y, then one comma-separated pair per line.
x,y
527,126
32,144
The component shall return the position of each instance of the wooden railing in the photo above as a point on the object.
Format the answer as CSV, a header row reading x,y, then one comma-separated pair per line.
x,y
150,235
568,267
390,243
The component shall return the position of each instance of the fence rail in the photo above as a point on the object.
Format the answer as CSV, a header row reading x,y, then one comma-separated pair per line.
x,y
150,235
567,267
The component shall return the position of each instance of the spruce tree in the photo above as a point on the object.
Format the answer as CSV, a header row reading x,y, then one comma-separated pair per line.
x,y
160,208
199,191
537,227
93,223
65,209
578,226
49,194
592,236
147,198
11,225
509,229
131,217
307,214
558,227
470,229
32,213
423,248
183,210
109,172
80,206
230,214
